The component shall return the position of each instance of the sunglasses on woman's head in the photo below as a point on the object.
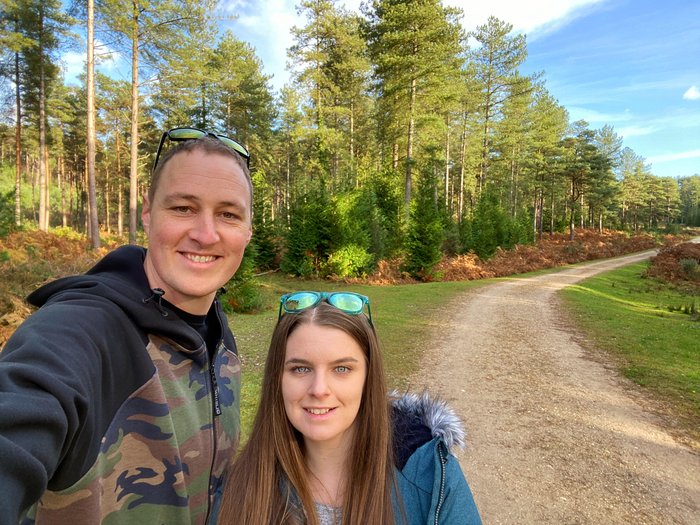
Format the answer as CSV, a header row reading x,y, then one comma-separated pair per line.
x,y
183,134
348,302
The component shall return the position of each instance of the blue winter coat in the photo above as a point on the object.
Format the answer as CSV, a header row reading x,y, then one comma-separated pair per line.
x,y
431,484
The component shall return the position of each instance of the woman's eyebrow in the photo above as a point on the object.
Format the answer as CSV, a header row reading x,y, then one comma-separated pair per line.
x,y
299,361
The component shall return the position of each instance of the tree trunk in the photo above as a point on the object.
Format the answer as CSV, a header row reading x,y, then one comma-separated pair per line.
x,y
409,150
18,147
462,168
134,167
447,165
551,213
43,186
92,191
108,218
352,132
513,184
120,184
572,212
62,189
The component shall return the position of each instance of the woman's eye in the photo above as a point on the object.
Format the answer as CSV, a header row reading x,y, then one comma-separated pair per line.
x,y
342,369
301,369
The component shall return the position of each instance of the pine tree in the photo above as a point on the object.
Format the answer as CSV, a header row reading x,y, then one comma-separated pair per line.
x,y
415,46
583,168
496,59
149,32
425,233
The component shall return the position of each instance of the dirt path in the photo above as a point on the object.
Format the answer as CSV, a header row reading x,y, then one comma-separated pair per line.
x,y
553,436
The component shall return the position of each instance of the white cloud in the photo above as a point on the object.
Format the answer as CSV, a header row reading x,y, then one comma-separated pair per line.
x,y
105,57
267,23
693,93
73,62
73,65
526,17
636,131
669,157
593,116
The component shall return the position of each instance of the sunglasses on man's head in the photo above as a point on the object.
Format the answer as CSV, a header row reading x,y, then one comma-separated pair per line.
x,y
182,134
348,302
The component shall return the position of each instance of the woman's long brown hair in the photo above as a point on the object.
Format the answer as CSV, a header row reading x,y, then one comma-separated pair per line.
x,y
259,487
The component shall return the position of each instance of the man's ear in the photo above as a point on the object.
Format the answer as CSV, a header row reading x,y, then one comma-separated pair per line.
x,y
146,213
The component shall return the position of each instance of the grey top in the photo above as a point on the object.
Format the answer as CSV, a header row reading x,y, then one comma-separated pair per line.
x,y
328,515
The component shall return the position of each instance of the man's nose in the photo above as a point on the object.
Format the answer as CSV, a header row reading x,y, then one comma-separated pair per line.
x,y
204,229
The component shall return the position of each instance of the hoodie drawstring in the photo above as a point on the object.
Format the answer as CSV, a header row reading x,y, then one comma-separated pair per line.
x,y
156,298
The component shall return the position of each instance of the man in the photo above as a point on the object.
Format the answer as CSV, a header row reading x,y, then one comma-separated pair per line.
x,y
119,397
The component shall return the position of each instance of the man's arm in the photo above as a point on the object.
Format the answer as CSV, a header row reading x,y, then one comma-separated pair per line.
x,y
41,405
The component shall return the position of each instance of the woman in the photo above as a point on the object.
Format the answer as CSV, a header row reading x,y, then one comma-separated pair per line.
x,y
322,449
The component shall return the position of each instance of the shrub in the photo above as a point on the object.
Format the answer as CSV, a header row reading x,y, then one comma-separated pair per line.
x,y
350,261
690,268
310,237
7,213
242,292
425,235
672,229
242,297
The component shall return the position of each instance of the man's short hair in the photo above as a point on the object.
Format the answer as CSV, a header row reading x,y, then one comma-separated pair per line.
x,y
207,145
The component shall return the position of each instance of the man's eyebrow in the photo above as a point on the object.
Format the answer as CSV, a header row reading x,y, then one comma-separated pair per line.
x,y
175,197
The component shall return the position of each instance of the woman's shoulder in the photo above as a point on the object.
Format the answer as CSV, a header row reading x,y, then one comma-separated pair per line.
x,y
418,419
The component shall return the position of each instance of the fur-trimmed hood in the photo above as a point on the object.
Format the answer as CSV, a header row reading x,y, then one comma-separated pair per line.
x,y
419,418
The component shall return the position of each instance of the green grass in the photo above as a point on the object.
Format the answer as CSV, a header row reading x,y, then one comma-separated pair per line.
x,y
406,317
648,328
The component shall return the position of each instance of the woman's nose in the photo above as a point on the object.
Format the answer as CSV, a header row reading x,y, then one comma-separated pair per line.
x,y
319,385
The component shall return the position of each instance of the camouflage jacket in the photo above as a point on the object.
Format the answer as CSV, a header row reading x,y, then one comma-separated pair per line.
x,y
111,409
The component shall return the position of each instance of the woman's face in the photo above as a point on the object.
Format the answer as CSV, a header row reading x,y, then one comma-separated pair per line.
x,y
322,383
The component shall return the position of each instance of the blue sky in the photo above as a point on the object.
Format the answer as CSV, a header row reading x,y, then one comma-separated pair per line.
x,y
633,64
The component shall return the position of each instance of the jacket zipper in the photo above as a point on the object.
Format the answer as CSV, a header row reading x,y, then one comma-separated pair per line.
x,y
217,410
215,388
443,462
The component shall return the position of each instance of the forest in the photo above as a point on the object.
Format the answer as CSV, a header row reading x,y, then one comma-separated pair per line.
x,y
399,137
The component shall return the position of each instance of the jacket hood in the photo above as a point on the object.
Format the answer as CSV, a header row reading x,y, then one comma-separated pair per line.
x,y
419,418
119,278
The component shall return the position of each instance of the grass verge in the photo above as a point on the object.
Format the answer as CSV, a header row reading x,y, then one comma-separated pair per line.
x,y
649,329
406,316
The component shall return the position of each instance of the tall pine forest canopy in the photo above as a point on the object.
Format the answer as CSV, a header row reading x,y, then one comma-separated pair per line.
x,y
399,137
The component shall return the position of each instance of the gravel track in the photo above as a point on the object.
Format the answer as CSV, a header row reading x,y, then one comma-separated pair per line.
x,y
553,435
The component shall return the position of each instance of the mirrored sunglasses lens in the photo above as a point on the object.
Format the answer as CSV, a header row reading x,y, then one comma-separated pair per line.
x,y
234,145
347,302
185,134
299,301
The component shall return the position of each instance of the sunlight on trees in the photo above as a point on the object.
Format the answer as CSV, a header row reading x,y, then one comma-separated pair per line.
x,y
393,140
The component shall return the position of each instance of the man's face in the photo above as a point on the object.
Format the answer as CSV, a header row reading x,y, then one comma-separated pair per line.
x,y
198,225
